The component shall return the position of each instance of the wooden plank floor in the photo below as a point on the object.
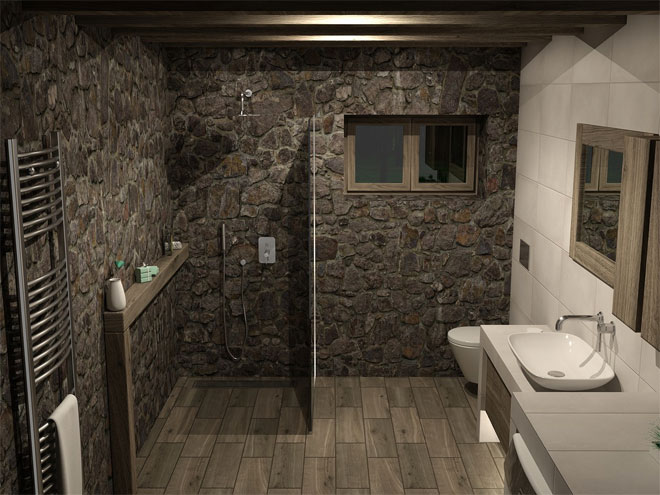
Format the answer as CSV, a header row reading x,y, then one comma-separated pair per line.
x,y
371,435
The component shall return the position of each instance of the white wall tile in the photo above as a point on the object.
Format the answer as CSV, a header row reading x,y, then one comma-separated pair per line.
x,y
592,65
529,118
517,317
556,111
644,387
525,200
628,379
546,263
650,366
552,162
577,288
635,106
522,231
636,50
527,162
589,105
570,168
568,218
521,288
545,307
557,61
576,327
550,214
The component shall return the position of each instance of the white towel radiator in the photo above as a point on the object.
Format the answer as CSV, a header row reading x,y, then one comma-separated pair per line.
x,y
43,296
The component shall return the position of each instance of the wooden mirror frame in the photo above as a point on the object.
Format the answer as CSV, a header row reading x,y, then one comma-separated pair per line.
x,y
583,254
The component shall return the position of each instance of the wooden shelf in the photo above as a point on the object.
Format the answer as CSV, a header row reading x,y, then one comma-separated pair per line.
x,y
139,296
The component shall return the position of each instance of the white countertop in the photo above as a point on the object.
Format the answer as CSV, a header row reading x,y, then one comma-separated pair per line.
x,y
597,442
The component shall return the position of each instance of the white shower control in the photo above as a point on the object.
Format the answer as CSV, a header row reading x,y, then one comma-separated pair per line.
x,y
266,250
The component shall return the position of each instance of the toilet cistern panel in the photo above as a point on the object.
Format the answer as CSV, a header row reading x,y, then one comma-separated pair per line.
x,y
266,250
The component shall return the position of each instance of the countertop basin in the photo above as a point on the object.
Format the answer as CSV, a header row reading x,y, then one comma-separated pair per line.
x,y
560,361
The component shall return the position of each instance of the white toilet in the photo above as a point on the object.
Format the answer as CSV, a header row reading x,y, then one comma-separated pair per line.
x,y
465,345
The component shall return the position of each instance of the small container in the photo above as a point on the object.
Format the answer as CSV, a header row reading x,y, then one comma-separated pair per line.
x,y
115,297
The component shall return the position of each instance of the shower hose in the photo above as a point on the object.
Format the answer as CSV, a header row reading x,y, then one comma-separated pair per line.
x,y
224,322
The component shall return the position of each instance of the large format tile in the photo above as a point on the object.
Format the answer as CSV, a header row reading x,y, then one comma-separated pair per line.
x,y
635,51
243,397
400,397
324,402
416,468
352,470
526,195
223,465
260,440
215,403
380,437
385,475
320,442
159,465
190,397
439,438
406,424
292,427
151,437
479,465
634,106
268,403
451,392
319,476
253,476
178,424
427,401
198,446
350,428
188,475
463,424
288,463
235,424
527,162
375,403
451,476
348,397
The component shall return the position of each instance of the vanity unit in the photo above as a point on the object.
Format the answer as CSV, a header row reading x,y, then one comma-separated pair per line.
x,y
569,442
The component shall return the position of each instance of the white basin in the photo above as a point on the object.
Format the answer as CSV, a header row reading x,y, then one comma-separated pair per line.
x,y
560,361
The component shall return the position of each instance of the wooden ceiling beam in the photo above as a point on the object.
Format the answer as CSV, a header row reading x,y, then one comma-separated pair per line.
x,y
247,20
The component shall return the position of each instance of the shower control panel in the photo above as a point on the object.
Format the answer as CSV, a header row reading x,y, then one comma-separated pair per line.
x,y
266,250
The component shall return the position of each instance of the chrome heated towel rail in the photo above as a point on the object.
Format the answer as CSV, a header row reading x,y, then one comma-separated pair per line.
x,y
43,295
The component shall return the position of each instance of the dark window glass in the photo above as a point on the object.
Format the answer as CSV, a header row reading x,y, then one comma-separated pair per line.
x,y
442,154
378,153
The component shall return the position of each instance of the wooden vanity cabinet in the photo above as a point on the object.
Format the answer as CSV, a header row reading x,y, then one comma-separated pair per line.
x,y
497,404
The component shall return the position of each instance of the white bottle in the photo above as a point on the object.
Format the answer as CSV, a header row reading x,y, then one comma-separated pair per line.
x,y
115,297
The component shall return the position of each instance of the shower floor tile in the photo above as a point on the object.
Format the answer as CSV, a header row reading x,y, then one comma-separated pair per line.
x,y
371,435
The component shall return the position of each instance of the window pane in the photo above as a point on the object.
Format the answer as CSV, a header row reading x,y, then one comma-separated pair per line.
x,y
442,154
379,153
614,167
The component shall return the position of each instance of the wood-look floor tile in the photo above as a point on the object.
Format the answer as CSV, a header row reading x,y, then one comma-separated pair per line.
x,y
319,476
385,475
320,442
400,397
204,426
422,491
243,397
198,446
439,438
216,491
268,403
292,426
347,381
353,491
380,437
324,402
372,381
352,469
190,397
324,381
422,381
170,402
451,476
397,381
150,491
188,475
159,465
349,397
260,440
181,381
489,491
223,465
479,465
177,425
235,425
416,468
451,391
496,449
253,476
215,403
139,462
375,403
288,464
350,428
406,424
499,462
284,491
151,438
463,424
427,401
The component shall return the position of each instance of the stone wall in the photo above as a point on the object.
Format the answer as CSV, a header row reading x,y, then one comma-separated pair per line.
x,y
600,222
395,272
106,97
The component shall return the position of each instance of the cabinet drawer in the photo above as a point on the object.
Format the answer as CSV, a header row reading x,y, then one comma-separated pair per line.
x,y
498,404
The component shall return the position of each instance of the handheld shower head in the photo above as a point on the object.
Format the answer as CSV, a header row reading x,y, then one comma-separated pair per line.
x,y
247,93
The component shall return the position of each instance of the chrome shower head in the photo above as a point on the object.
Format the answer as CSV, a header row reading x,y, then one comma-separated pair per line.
x,y
247,93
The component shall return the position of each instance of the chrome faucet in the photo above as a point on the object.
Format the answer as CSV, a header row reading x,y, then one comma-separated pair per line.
x,y
601,326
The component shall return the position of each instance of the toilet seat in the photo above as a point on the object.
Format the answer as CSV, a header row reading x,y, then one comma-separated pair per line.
x,y
464,336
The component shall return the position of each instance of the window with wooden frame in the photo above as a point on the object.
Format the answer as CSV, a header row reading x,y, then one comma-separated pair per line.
x,y
410,154
603,169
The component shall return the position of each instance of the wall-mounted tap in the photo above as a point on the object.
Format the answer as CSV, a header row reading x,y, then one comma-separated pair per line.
x,y
601,326
247,93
